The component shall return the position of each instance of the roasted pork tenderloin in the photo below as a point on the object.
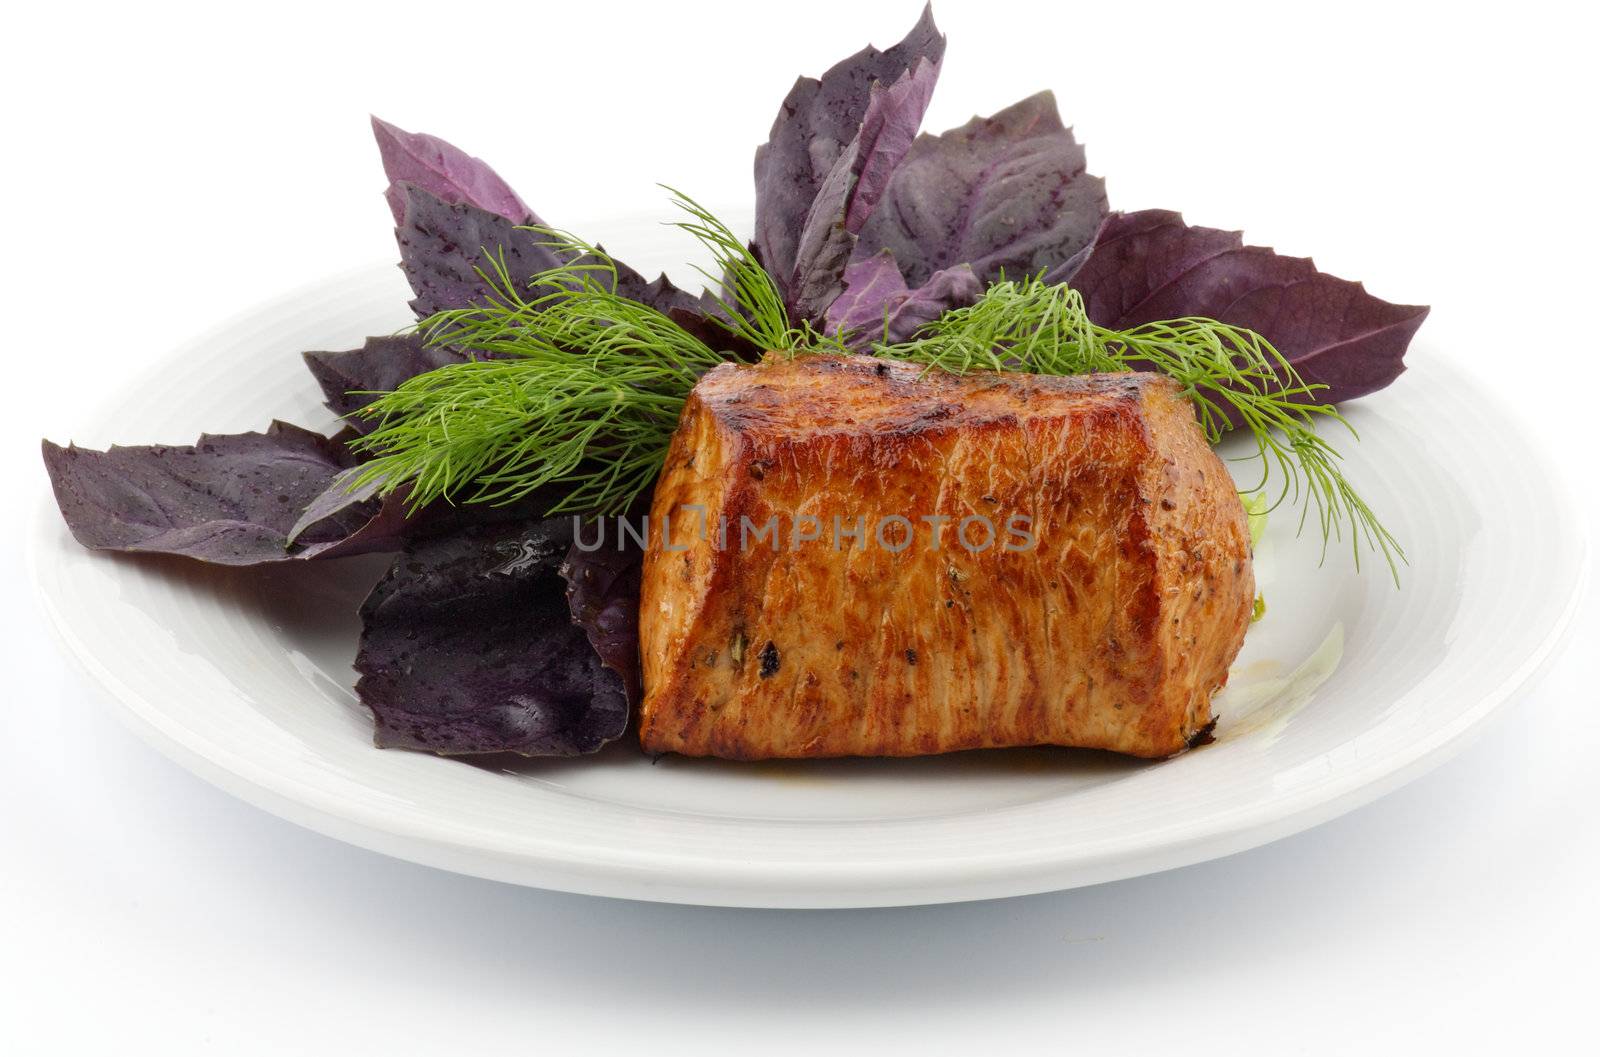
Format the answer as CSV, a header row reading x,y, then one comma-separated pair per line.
x,y
857,557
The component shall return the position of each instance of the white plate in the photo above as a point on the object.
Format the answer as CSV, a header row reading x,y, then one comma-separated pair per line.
x,y
1348,688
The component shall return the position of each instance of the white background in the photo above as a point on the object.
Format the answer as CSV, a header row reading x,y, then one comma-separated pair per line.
x,y
167,167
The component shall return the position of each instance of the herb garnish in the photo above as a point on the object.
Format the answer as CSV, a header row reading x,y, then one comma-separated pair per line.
x,y
579,386
582,387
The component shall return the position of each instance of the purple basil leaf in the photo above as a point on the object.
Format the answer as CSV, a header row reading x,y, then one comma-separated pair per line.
x,y
877,306
819,123
391,521
441,248
449,174
444,244
854,186
1004,193
603,595
890,127
380,365
334,501
230,500
380,524
659,293
468,647
1150,265
701,323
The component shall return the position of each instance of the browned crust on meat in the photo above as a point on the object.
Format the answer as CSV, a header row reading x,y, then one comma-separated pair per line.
x,y
1113,632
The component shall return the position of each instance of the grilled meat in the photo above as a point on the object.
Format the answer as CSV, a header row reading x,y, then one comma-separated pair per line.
x,y
850,556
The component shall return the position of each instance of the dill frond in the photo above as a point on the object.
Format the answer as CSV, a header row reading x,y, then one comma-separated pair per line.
x,y
752,307
579,387
1228,373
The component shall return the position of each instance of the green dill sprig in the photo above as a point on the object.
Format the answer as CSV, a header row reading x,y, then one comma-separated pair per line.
x,y
1228,373
752,306
578,387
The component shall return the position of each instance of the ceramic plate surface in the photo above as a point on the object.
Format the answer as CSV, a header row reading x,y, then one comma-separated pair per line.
x,y
1348,687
